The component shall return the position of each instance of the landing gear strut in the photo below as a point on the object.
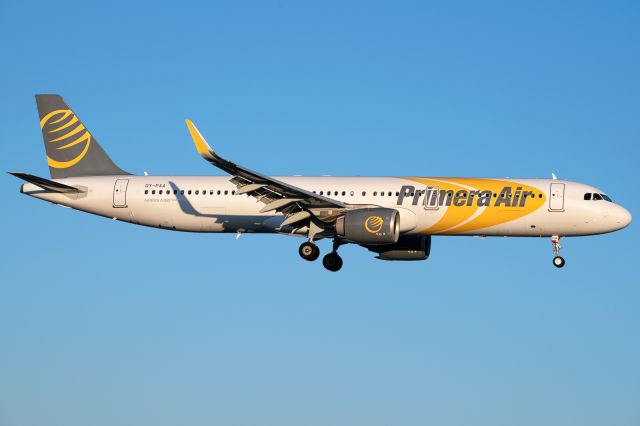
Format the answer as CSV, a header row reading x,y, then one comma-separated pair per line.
x,y
558,261
309,251
332,261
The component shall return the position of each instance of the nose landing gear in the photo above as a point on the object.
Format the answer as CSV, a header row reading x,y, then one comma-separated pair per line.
x,y
558,261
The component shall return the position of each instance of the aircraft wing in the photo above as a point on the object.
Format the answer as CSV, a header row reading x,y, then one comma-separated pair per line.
x,y
295,203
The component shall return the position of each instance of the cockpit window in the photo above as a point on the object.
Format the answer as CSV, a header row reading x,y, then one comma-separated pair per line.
x,y
595,197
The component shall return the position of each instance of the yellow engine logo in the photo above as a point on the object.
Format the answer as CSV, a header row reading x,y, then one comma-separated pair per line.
x,y
63,127
373,224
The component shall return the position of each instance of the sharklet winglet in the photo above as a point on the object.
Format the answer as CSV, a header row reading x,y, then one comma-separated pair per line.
x,y
199,141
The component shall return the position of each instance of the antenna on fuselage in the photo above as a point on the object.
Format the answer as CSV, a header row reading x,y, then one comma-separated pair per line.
x,y
553,176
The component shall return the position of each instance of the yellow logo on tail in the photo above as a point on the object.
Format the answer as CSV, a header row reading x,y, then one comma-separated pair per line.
x,y
373,224
68,126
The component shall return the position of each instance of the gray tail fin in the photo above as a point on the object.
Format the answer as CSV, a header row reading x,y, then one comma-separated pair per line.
x,y
71,148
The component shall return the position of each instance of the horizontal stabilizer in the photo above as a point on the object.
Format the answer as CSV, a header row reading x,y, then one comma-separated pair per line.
x,y
47,184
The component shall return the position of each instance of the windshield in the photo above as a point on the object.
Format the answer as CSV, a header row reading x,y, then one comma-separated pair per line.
x,y
596,196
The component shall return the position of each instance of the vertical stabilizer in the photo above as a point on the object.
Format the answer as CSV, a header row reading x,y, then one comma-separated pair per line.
x,y
71,148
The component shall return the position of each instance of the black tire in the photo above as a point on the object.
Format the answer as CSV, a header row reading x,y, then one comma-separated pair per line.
x,y
558,262
309,251
332,262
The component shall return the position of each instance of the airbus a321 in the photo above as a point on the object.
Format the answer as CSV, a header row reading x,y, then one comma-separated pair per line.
x,y
394,217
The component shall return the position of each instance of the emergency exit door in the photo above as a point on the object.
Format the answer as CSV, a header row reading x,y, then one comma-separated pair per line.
x,y
556,197
120,193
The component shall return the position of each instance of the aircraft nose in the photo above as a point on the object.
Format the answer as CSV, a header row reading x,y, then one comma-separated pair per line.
x,y
621,217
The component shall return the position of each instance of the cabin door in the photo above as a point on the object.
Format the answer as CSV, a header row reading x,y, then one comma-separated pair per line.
x,y
120,193
556,197
431,198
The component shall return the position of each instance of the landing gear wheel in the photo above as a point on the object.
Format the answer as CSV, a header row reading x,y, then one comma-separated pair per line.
x,y
309,251
558,261
332,262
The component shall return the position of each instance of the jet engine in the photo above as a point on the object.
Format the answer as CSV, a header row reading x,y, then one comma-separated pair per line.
x,y
408,247
371,226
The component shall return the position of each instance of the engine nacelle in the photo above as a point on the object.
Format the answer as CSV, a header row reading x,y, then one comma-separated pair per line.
x,y
408,247
370,226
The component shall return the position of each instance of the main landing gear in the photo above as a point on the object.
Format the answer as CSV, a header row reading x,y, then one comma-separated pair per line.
x,y
331,261
558,261
309,251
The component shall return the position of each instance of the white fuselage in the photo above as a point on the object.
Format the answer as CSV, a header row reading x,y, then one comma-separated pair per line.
x,y
434,206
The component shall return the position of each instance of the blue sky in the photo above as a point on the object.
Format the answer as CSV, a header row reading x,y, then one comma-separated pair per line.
x,y
105,323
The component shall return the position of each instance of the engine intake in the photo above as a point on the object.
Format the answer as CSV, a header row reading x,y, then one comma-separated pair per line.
x,y
370,226
408,247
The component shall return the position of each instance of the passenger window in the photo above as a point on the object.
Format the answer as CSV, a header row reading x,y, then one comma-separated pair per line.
x,y
211,192
182,192
351,193
226,192
364,193
197,192
344,193
233,192
153,192
390,194
321,192
146,191
587,196
375,193
218,192
597,197
175,191
189,192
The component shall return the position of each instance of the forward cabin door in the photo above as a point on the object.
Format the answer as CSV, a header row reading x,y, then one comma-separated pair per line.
x,y
120,193
556,197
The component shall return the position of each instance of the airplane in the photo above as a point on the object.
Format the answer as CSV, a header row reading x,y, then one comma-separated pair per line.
x,y
393,217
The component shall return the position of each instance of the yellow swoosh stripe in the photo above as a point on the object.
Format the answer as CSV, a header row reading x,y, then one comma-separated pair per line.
x,y
85,137
68,135
454,219
64,126
65,113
